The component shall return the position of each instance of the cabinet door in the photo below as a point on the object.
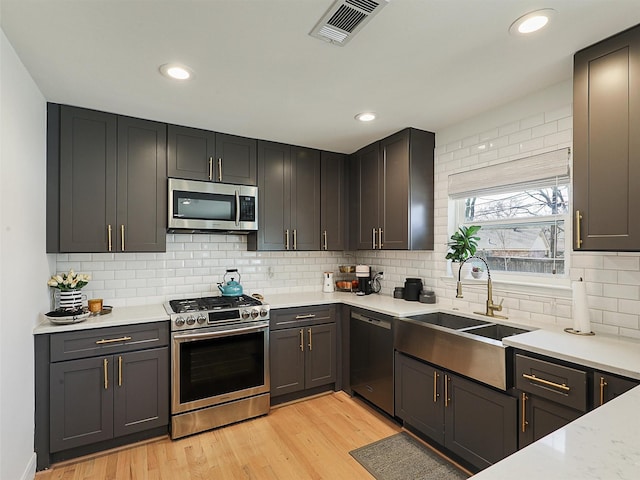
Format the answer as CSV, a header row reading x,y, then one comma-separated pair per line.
x,y
333,201
142,186
480,423
141,391
305,199
419,399
367,183
87,179
274,197
286,361
607,387
394,205
541,417
606,139
190,153
236,159
320,361
81,402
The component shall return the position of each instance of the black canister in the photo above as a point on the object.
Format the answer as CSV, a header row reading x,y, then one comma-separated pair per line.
x,y
398,292
412,289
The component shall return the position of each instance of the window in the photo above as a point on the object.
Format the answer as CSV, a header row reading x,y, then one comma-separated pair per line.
x,y
522,231
523,209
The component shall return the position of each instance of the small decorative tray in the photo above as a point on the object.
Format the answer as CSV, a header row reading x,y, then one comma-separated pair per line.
x,y
106,310
64,317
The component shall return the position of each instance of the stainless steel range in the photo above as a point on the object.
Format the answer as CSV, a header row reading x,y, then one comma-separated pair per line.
x,y
219,362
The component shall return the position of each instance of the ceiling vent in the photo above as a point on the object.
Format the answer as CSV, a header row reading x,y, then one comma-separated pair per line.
x,y
345,18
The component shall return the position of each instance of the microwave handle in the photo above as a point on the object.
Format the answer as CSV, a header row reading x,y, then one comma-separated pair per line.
x,y
237,208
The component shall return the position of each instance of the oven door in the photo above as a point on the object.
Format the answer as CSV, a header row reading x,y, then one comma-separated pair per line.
x,y
212,366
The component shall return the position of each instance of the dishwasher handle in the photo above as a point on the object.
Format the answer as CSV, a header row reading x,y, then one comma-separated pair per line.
x,y
378,323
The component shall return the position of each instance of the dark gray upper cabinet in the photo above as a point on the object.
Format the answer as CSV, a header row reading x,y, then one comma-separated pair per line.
x,y
392,193
197,154
333,201
106,185
142,186
606,140
289,198
81,186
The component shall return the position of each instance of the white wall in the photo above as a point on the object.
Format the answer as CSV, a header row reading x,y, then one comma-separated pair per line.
x,y
24,266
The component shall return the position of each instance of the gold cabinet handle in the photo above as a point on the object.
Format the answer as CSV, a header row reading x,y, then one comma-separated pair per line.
x,y
533,378
435,387
219,169
446,391
122,237
603,384
302,340
325,245
119,370
105,365
210,168
373,231
578,239
524,412
109,237
112,340
310,340
380,238
286,239
295,238
304,317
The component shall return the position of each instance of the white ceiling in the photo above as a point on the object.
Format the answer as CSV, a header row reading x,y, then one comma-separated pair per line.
x,y
422,63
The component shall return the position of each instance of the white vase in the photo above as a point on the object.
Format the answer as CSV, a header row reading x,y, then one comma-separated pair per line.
x,y
70,300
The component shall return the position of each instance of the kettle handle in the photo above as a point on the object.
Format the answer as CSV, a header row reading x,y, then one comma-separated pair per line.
x,y
233,270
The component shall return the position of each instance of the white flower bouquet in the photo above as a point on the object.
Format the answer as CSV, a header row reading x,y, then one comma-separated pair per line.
x,y
66,282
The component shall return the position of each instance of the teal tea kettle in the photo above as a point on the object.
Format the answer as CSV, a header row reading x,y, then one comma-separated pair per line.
x,y
231,288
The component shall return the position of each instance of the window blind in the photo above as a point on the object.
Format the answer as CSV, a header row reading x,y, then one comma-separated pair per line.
x,y
515,174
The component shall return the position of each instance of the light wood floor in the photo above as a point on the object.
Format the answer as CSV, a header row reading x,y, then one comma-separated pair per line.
x,y
310,439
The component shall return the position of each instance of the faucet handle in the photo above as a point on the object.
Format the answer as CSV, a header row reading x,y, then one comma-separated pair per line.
x,y
499,306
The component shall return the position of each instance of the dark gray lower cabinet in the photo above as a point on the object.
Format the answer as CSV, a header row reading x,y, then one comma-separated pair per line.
x,y
302,349
539,417
100,388
302,358
607,386
471,420
95,399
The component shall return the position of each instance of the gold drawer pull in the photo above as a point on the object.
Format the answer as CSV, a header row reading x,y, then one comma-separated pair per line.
x,y
105,365
533,378
304,317
112,340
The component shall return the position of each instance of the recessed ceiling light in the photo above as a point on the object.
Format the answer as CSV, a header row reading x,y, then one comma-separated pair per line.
x,y
365,116
532,21
176,71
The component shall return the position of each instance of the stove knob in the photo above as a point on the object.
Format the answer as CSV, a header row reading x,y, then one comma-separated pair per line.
x,y
245,314
201,319
190,320
254,313
264,312
179,321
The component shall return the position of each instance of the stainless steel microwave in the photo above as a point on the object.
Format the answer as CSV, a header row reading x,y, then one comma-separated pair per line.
x,y
207,206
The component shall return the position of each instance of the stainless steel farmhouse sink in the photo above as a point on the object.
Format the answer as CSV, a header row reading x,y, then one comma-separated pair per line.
x,y
467,346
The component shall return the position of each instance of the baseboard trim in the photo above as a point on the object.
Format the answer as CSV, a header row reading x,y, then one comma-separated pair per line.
x,y
30,471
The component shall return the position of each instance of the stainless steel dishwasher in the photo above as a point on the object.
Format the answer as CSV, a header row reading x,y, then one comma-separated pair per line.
x,y
371,358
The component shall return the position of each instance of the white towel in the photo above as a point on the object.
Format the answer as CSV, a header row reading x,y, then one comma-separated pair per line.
x,y
581,321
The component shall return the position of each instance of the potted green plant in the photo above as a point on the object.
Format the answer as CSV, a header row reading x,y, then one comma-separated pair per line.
x,y
463,243
476,271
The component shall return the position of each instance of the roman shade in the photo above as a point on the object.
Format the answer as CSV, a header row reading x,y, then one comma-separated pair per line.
x,y
514,174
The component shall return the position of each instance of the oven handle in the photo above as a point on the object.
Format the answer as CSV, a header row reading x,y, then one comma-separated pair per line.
x,y
223,333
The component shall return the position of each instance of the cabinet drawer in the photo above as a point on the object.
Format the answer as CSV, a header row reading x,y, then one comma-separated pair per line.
x,y
301,316
558,383
107,341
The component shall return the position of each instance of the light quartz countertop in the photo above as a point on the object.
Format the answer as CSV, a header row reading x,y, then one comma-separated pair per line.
x,y
603,444
118,316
